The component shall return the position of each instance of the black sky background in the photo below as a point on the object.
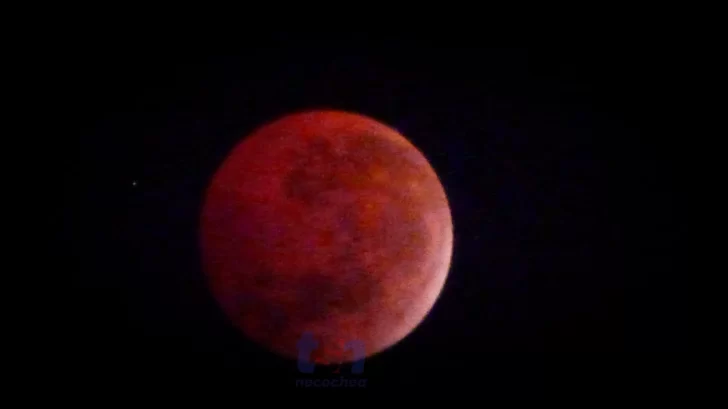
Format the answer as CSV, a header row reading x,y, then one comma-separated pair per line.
x,y
559,184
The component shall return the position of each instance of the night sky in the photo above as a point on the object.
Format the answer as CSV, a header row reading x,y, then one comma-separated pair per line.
x,y
559,187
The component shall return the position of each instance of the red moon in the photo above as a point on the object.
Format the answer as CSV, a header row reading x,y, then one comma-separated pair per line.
x,y
326,222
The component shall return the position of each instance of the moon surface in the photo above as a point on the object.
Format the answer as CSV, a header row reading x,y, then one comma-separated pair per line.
x,y
329,223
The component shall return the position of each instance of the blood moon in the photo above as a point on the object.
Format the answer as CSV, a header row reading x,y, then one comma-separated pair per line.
x,y
329,223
